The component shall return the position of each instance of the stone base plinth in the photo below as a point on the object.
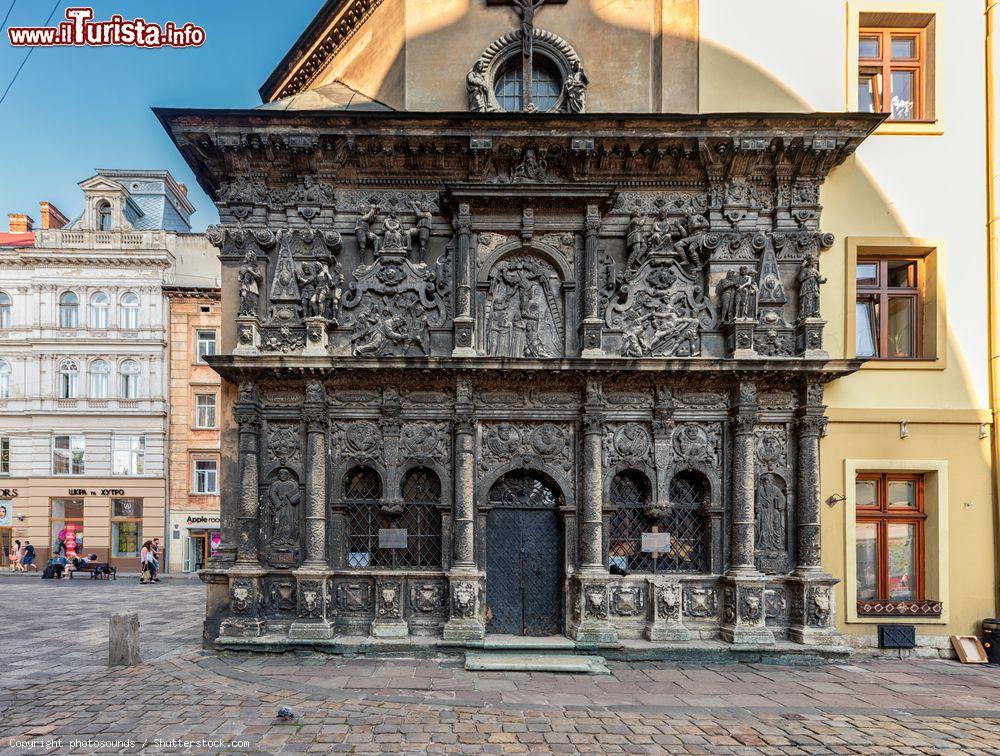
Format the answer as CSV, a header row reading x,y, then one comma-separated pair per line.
x,y
393,629
738,335
463,630
310,630
743,611
317,338
247,337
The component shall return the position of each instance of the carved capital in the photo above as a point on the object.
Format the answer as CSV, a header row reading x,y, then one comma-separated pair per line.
x,y
811,425
316,420
465,424
744,422
249,420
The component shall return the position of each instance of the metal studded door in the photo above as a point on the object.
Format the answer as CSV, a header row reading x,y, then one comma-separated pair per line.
x,y
524,558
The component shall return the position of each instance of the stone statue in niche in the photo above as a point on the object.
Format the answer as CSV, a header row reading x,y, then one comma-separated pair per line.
x,y
635,241
318,289
522,314
745,301
770,514
478,87
575,89
422,232
725,290
250,281
283,499
809,280
363,231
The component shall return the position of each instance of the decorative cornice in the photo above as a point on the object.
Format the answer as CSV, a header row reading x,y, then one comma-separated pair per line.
x,y
332,28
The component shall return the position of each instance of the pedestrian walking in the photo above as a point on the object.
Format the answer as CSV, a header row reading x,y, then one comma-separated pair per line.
x,y
147,572
156,560
28,557
15,557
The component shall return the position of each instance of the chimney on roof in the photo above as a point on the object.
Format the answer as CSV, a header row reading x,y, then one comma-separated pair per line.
x,y
183,188
20,223
51,217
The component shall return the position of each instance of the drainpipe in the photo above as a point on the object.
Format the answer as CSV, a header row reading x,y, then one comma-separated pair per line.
x,y
993,254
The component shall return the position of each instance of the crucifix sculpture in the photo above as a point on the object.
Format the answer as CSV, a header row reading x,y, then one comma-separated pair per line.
x,y
527,10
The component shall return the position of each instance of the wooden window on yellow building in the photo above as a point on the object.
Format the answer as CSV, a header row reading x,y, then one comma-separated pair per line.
x,y
893,72
890,537
889,308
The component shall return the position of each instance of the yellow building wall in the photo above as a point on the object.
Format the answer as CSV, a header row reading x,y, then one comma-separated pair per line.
x,y
922,190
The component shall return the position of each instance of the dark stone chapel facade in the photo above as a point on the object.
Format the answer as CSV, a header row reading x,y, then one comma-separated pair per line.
x,y
479,355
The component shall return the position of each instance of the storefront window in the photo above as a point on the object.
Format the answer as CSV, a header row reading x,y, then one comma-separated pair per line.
x,y
67,526
126,527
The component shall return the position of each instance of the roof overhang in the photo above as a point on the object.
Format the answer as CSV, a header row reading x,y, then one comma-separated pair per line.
x,y
444,149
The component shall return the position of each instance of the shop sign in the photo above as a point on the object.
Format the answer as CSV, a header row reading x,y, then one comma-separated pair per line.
x,y
94,492
6,516
201,520
8,493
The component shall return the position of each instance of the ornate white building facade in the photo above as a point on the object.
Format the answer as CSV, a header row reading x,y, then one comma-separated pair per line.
x,y
83,367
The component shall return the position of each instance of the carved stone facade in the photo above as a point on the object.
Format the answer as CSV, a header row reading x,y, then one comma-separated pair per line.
x,y
559,337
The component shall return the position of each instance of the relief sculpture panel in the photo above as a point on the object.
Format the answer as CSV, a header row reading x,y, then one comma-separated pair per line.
x,y
523,315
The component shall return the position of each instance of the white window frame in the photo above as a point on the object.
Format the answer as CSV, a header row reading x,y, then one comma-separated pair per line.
x,y
74,443
202,477
131,449
99,383
200,353
6,308
210,411
100,312
69,312
4,379
128,381
69,379
129,311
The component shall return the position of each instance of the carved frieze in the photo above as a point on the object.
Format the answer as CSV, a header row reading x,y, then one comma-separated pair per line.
x,y
358,439
400,201
426,441
505,442
354,597
701,602
628,600
697,445
284,442
630,443
427,597
490,242
523,312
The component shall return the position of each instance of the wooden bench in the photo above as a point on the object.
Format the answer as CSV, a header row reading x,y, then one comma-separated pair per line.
x,y
97,570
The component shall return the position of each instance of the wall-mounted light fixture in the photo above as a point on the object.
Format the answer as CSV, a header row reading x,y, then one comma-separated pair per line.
x,y
904,428
835,499
984,430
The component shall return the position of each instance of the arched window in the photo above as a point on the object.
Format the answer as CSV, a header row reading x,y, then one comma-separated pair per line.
x,y
99,379
631,493
4,379
104,216
68,374
129,379
421,490
130,311
5,309
69,310
417,514
545,88
100,306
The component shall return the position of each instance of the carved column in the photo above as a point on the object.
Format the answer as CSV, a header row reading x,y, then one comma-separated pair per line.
x,y
811,608
249,421
465,271
591,600
466,620
743,610
312,578
590,326
245,617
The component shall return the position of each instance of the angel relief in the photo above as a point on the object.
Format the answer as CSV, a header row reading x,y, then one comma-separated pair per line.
x,y
522,313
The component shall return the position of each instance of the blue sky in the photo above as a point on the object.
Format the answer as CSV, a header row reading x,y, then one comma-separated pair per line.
x,y
72,110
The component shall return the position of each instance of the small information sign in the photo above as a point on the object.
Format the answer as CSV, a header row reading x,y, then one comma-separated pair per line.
x,y
653,543
392,538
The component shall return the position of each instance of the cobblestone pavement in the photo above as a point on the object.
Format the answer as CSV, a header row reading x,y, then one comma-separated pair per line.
x,y
55,685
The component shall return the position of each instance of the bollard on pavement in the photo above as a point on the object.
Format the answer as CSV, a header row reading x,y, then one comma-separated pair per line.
x,y
123,640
